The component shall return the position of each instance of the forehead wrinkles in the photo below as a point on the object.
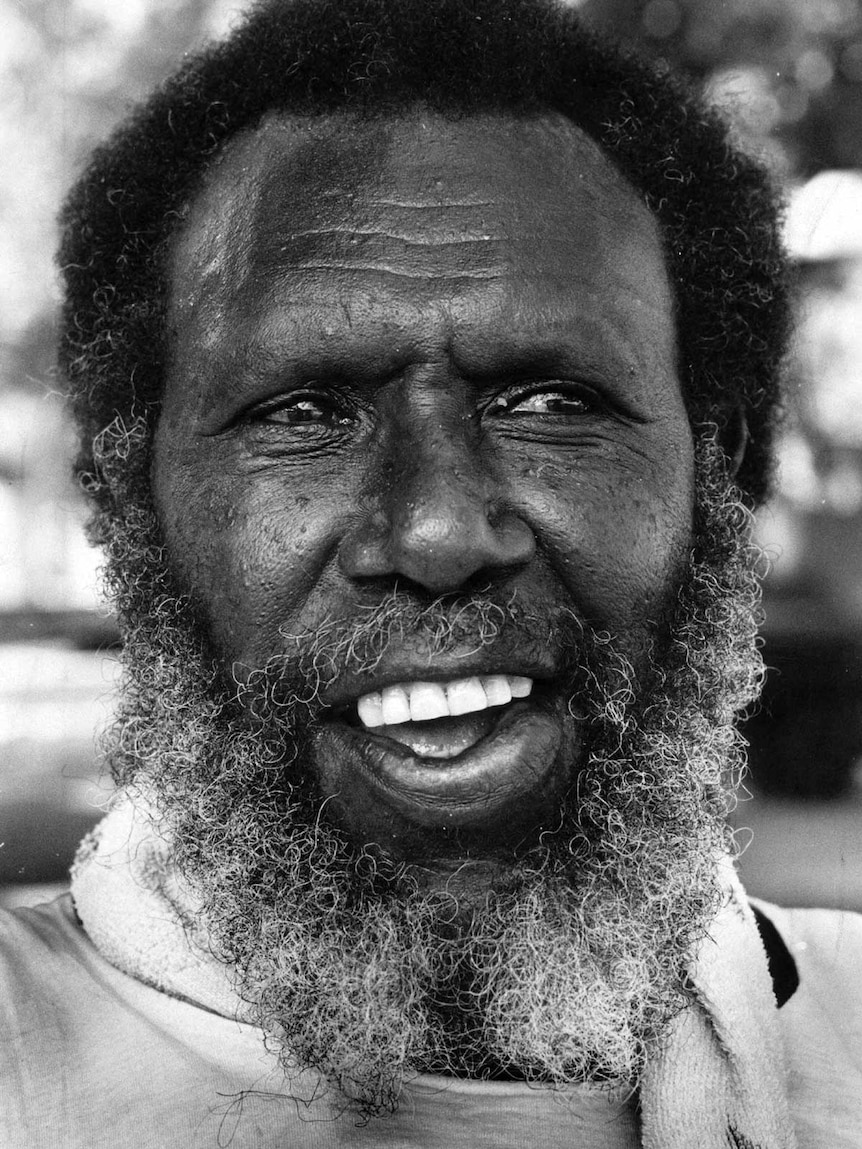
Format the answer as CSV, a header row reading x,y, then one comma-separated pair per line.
x,y
333,194
338,203
310,196
417,241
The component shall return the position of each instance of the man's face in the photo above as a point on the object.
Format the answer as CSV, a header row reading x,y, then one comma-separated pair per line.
x,y
436,358
422,426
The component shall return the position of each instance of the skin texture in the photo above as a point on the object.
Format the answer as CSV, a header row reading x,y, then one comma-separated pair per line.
x,y
438,356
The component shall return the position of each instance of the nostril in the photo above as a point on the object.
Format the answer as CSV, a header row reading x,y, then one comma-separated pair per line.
x,y
364,551
514,541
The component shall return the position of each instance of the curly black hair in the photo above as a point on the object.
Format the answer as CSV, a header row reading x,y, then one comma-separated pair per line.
x,y
716,208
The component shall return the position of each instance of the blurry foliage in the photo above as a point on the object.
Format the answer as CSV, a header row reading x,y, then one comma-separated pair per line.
x,y
69,69
797,64
108,55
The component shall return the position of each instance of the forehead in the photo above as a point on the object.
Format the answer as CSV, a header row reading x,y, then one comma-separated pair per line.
x,y
414,206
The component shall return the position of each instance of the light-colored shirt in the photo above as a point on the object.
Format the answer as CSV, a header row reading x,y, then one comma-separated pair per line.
x,y
91,1058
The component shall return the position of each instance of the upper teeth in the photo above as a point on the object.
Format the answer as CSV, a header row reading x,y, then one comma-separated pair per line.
x,y
420,701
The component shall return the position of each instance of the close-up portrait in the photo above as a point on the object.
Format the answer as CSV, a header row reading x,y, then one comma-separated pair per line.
x,y
431,574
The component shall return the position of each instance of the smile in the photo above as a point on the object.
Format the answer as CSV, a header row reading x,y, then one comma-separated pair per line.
x,y
440,719
461,752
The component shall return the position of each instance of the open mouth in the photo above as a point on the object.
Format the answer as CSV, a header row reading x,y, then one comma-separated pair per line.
x,y
463,752
439,720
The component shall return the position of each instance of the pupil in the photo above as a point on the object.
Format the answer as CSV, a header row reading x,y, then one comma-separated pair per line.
x,y
307,411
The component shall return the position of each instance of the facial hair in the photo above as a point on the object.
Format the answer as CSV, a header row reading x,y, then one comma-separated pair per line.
x,y
572,966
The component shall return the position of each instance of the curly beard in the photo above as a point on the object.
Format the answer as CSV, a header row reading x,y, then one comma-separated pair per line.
x,y
570,968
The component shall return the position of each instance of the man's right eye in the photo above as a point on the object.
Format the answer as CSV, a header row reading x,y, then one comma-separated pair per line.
x,y
302,410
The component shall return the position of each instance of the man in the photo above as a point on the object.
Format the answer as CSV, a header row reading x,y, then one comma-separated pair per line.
x,y
426,358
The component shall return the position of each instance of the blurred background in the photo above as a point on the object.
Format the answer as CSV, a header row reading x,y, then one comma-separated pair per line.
x,y
789,74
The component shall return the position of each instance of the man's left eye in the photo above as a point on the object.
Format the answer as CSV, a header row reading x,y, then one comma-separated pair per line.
x,y
549,401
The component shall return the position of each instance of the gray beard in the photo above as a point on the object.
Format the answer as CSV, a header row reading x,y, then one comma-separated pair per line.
x,y
570,969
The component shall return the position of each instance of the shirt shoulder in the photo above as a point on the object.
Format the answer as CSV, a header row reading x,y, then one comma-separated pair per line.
x,y
827,948
47,922
34,943
821,1024
76,1035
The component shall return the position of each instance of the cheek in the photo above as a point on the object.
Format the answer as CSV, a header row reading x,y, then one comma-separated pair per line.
x,y
251,552
618,538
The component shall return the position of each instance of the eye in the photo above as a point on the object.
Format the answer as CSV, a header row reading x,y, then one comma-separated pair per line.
x,y
304,409
556,399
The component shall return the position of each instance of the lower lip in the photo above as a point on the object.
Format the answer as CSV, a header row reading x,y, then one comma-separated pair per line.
x,y
512,766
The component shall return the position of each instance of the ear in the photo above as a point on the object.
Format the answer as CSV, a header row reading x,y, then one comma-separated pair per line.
x,y
733,437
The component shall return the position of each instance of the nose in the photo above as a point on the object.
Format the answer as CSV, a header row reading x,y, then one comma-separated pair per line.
x,y
439,519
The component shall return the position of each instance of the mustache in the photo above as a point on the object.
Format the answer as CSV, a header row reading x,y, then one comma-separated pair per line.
x,y
464,624
458,626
